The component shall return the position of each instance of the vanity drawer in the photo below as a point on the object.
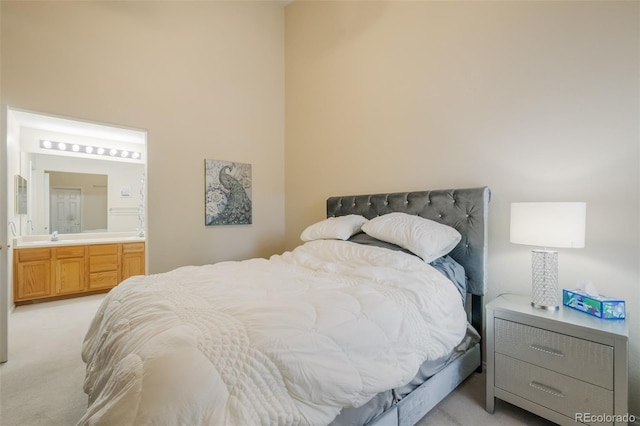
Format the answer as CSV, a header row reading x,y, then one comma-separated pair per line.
x,y
102,249
102,280
549,389
132,248
69,251
575,357
30,255
103,263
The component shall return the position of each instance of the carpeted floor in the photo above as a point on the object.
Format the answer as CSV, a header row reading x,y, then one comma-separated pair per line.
x,y
41,384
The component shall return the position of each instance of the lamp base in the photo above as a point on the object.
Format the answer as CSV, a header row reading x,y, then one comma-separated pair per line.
x,y
544,268
548,308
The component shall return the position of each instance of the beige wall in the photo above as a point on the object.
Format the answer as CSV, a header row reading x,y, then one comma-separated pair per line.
x,y
538,100
204,79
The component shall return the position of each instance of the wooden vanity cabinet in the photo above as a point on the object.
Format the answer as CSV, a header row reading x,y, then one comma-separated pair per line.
x,y
48,273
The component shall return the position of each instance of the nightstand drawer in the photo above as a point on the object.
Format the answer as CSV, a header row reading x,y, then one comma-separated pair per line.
x,y
555,391
578,358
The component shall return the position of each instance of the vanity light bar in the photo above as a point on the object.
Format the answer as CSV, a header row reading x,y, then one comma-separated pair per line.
x,y
88,149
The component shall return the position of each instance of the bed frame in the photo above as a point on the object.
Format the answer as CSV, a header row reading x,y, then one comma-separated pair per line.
x,y
466,210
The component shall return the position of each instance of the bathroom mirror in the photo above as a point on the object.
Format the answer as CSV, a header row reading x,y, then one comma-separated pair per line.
x,y
21,195
78,202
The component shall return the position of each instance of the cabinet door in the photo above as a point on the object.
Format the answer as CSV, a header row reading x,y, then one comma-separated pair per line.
x,y
33,279
70,275
132,260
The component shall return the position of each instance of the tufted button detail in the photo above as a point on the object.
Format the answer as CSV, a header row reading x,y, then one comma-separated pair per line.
x,y
386,203
440,215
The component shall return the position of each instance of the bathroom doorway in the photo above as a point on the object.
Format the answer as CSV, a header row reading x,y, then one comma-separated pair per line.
x,y
36,145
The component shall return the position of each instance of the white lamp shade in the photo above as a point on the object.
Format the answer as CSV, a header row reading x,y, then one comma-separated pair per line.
x,y
548,224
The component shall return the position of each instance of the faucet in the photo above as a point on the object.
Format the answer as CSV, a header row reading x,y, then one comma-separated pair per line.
x,y
54,236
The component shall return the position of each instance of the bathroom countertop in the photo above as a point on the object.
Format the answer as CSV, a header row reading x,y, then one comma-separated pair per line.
x,y
32,241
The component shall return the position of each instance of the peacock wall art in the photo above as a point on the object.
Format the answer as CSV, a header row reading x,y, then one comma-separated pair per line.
x,y
227,193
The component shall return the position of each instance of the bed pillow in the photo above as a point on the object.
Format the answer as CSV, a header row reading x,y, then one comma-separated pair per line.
x,y
426,238
334,228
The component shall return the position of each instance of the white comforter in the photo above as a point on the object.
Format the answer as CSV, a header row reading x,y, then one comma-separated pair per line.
x,y
288,340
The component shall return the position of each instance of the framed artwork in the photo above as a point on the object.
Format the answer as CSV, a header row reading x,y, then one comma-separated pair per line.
x,y
227,193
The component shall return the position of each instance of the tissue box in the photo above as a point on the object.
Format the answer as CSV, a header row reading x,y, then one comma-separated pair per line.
x,y
599,306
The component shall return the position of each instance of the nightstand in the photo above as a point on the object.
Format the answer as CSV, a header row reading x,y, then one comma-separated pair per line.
x,y
562,365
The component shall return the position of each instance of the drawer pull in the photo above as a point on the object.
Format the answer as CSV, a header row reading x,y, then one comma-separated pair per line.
x,y
547,350
547,389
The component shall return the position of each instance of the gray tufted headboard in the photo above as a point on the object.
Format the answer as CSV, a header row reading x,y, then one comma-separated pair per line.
x,y
464,209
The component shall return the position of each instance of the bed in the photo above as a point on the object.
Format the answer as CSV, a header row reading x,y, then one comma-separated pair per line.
x,y
467,211
336,331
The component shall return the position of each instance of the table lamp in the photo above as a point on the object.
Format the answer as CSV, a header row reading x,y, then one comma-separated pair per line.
x,y
547,225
